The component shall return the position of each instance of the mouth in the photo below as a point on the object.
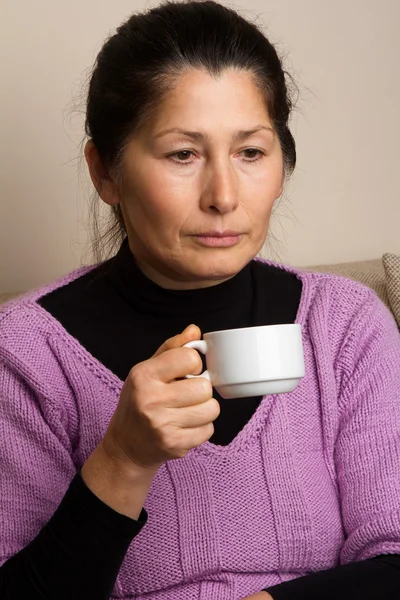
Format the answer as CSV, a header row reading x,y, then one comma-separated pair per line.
x,y
219,239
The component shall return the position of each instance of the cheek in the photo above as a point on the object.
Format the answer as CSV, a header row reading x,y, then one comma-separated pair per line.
x,y
261,201
154,210
266,181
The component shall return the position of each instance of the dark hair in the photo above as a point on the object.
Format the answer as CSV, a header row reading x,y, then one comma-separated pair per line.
x,y
140,63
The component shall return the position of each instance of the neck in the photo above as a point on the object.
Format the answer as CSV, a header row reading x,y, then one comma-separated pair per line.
x,y
151,293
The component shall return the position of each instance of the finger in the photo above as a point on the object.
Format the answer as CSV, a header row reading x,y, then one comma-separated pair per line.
x,y
187,392
192,332
198,416
173,364
193,437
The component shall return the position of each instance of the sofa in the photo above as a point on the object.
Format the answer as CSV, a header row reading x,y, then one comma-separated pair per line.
x,y
382,275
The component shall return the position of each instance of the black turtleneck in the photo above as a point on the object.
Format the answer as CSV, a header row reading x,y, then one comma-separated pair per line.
x,y
121,318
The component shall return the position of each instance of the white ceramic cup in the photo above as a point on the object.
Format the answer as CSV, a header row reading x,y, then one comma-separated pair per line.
x,y
253,361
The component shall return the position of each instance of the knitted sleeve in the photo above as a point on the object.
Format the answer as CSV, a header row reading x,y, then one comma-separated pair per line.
x,y
36,465
367,452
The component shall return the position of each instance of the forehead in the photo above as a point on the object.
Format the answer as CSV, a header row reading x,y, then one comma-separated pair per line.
x,y
197,96
192,80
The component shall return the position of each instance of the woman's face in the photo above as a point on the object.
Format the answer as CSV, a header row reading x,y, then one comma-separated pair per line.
x,y
199,181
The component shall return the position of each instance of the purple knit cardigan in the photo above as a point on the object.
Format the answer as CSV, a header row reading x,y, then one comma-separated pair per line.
x,y
310,482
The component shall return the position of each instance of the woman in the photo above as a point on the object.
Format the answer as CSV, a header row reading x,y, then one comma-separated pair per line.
x,y
119,476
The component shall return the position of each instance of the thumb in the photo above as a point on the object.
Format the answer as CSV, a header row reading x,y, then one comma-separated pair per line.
x,y
192,332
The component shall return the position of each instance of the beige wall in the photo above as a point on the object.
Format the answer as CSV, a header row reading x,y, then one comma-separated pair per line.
x,y
343,201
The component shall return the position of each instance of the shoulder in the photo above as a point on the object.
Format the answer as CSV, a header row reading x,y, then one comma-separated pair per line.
x,y
24,314
344,303
27,331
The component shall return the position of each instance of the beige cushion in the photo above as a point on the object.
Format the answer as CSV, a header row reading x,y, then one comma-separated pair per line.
x,y
368,272
391,263
5,297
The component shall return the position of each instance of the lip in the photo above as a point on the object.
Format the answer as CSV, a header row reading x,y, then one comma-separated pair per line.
x,y
218,239
219,234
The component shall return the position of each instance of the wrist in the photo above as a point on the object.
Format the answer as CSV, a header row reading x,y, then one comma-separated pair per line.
x,y
120,463
120,484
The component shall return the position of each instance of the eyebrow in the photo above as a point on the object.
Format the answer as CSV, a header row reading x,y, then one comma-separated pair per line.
x,y
198,136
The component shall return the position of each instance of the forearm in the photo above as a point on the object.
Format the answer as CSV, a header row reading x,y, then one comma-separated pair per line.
x,y
115,481
77,554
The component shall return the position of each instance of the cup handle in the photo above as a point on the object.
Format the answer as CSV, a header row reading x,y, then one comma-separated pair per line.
x,y
201,346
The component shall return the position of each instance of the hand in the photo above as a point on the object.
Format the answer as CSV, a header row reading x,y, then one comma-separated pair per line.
x,y
160,415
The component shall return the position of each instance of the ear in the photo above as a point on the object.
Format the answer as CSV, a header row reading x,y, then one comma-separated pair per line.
x,y
102,181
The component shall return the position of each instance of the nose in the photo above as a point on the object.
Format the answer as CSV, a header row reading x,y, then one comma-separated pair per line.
x,y
220,194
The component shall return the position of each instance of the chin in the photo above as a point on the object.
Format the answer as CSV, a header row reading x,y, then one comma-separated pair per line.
x,y
218,265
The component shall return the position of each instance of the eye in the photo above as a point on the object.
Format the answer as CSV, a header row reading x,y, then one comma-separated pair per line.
x,y
182,154
181,157
257,157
